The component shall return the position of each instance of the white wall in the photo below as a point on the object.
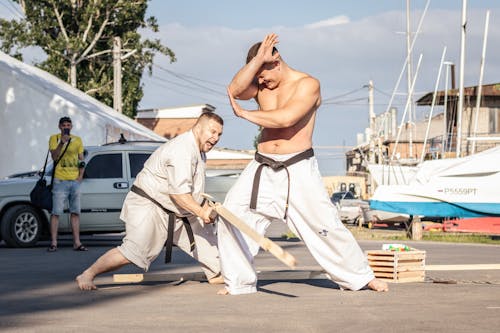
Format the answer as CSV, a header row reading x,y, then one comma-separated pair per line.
x,y
31,103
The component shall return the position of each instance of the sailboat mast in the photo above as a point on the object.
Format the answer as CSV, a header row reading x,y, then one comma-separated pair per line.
x,y
461,87
444,143
481,74
409,75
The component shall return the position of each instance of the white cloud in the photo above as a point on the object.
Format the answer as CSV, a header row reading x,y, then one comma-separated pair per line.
x,y
337,20
344,57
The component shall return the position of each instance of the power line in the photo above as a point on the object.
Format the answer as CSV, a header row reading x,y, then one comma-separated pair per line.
x,y
177,84
347,101
382,92
190,79
189,76
176,90
345,94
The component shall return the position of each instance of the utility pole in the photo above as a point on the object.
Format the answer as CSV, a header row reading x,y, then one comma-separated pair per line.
x,y
373,133
370,103
117,74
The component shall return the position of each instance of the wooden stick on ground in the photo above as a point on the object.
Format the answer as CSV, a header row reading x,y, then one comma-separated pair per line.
x,y
263,242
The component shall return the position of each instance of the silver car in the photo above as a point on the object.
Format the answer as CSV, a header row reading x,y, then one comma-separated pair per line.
x,y
109,173
350,208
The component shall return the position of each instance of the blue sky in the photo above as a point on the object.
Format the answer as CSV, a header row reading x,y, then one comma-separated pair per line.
x,y
342,43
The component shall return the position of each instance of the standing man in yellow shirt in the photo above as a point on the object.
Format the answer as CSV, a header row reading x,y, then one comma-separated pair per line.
x,y
67,150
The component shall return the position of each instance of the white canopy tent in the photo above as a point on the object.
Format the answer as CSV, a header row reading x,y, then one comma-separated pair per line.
x,y
31,103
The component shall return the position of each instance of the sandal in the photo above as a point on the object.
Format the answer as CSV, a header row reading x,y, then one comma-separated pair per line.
x,y
80,248
52,248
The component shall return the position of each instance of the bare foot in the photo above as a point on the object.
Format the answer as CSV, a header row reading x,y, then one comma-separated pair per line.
x,y
223,292
85,282
216,280
378,285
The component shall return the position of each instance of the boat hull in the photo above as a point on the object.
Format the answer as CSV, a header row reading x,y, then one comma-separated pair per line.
x,y
460,187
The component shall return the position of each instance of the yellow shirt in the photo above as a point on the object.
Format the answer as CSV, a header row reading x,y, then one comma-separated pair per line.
x,y
67,168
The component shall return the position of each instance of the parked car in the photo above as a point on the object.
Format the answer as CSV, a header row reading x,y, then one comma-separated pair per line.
x,y
109,174
350,208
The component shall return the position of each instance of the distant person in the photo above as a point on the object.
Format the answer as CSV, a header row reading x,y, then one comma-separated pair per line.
x,y
165,204
67,150
283,182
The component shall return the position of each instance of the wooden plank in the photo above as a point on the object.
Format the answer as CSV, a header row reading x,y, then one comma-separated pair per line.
x,y
200,276
382,269
397,269
399,275
388,252
158,277
410,274
410,264
396,264
384,274
471,267
411,269
264,242
397,256
404,280
381,263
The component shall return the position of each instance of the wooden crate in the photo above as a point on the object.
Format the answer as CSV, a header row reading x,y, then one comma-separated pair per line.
x,y
397,266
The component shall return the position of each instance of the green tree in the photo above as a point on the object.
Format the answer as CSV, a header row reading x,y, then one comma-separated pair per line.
x,y
77,37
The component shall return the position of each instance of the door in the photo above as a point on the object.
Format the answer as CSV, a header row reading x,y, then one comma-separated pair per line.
x,y
103,191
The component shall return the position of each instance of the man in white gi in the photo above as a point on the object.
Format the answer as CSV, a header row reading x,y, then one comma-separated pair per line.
x,y
283,182
165,204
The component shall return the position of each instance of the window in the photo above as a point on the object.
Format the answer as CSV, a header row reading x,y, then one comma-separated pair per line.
x,y
494,121
104,166
337,196
349,195
137,162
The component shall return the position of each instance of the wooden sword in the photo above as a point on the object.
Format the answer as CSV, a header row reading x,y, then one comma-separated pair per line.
x,y
263,242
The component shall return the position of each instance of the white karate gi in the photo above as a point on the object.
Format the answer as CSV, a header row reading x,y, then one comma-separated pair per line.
x,y
311,216
177,167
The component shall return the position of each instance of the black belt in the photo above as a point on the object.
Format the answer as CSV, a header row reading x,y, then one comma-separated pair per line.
x,y
276,166
171,224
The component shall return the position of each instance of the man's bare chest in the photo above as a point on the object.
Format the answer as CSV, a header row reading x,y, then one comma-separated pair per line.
x,y
273,100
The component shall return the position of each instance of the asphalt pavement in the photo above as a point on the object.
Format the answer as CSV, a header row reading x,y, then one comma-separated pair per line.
x,y
38,294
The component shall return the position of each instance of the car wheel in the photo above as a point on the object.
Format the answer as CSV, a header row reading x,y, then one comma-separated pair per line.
x,y
21,226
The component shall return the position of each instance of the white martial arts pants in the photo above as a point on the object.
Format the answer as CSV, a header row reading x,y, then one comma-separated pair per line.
x,y
311,216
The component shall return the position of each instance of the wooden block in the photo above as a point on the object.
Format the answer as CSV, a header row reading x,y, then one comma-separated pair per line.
x,y
397,266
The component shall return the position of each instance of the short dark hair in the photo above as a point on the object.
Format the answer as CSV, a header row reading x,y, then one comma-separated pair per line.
x,y
252,52
64,120
211,116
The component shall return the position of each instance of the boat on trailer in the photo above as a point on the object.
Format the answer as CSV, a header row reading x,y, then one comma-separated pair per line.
x,y
458,187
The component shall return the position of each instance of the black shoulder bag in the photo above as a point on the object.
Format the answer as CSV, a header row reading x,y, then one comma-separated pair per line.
x,y
41,194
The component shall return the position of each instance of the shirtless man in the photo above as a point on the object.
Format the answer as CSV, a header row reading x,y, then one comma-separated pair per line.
x,y
283,182
164,205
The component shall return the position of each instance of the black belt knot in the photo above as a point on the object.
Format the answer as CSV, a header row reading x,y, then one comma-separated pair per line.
x,y
276,166
171,224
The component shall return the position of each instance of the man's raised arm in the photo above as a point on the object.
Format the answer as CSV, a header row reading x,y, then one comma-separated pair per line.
x,y
306,98
245,83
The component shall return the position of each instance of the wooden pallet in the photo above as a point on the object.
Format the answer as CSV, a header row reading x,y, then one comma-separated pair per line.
x,y
397,266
